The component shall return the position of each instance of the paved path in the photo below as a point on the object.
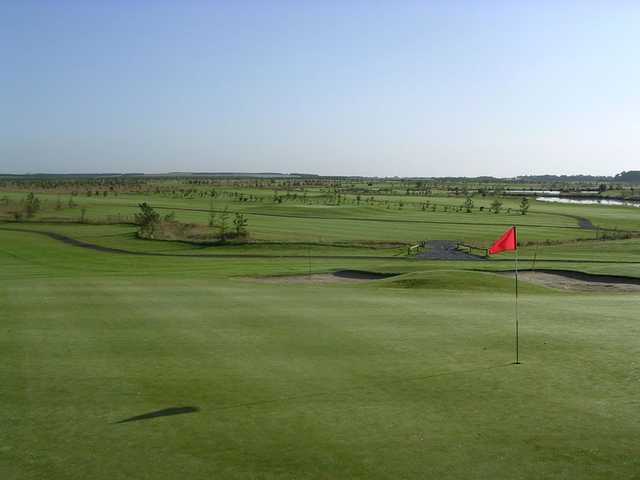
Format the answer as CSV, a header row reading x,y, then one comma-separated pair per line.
x,y
445,250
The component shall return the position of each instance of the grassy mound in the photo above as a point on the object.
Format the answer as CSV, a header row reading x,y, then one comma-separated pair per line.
x,y
460,280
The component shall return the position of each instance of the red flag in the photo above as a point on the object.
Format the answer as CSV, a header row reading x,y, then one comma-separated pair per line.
x,y
508,241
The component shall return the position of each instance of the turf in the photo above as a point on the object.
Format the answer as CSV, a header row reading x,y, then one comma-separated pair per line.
x,y
170,361
403,378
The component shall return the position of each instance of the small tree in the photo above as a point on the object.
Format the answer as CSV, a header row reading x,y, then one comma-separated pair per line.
x,y
468,204
240,223
524,205
496,205
212,213
83,215
223,223
31,205
147,218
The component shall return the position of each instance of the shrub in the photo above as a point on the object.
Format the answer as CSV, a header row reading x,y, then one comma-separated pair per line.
x,y
31,205
468,204
240,223
148,219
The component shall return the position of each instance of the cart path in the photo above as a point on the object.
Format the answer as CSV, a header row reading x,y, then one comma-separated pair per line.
x,y
446,250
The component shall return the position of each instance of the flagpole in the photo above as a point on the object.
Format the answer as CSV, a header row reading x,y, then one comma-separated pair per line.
x,y
508,242
517,325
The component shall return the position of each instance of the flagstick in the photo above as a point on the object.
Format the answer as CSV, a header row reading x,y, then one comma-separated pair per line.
x,y
517,333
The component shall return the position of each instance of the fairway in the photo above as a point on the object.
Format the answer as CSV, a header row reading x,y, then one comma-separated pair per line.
x,y
119,366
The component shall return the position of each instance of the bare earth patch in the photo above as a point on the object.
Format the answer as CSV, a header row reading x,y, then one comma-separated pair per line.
x,y
343,276
578,281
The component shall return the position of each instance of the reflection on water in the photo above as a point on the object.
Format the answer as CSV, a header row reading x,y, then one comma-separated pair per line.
x,y
589,201
533,192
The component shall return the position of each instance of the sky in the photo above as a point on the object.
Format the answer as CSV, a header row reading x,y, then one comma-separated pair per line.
x,y
332,87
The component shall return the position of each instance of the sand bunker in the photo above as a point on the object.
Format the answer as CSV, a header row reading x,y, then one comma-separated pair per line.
x,y
343,276
578,281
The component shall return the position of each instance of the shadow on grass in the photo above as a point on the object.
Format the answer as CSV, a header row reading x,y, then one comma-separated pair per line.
x,y
285,399
166,412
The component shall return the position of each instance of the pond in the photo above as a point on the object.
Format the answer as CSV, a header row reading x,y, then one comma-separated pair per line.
x,y
590,201
532,192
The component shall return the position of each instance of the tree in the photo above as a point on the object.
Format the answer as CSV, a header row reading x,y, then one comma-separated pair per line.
x,y
496,205
212,213
31,205
468,204
223,223
147,218
524,205
240,223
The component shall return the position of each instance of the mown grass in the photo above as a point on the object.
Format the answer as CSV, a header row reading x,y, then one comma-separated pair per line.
x,y
322,223
407,377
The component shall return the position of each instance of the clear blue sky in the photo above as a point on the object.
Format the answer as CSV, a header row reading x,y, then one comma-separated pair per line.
x,y
331,87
